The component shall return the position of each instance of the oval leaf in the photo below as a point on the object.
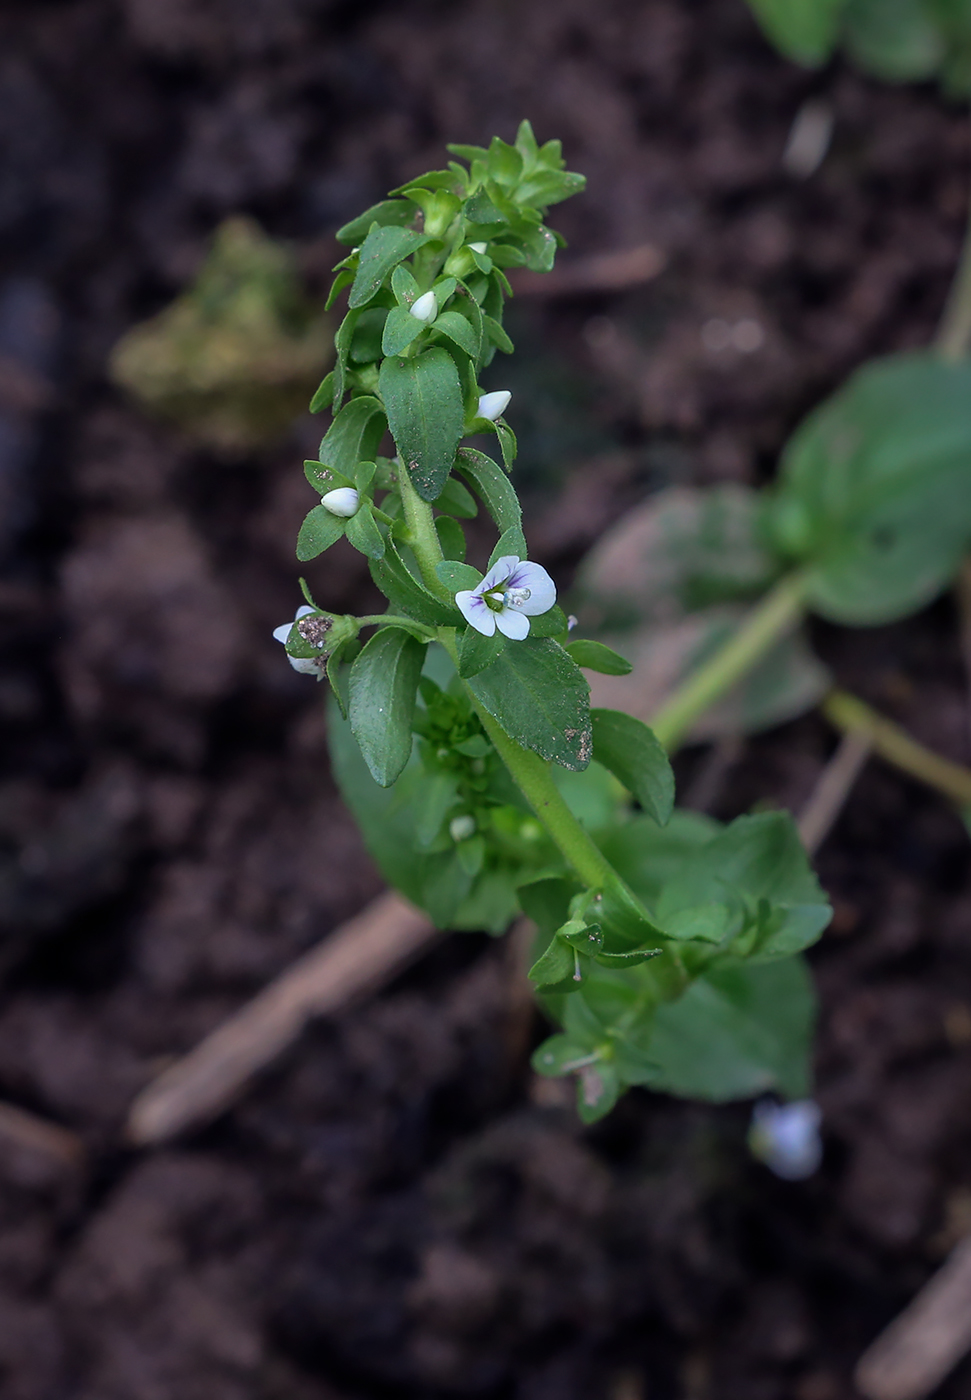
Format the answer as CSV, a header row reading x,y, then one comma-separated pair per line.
x,y
632,753
423,401
383,683
594,656
381,251
318,532
493,486
540,698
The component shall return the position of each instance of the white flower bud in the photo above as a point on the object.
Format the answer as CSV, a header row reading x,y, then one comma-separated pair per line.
x,y
343,501
461,828
425,308
478,247
493,406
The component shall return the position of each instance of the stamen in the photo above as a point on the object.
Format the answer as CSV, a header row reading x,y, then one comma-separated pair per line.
x,y
516,597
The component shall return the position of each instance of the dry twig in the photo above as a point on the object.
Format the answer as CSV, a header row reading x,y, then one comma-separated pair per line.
x,y
36,1148
922,1345
833,787
357,957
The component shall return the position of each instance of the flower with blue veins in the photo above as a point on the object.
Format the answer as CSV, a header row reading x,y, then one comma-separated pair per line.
x,y
511,593
785,1136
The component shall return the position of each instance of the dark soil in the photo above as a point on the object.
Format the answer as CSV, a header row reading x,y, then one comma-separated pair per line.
x,y
398,1210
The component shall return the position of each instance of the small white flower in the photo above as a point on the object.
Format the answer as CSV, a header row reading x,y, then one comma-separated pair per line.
x,y
306,665
785,1136
478,247
343,501
510,594
493,405
461,828
425,308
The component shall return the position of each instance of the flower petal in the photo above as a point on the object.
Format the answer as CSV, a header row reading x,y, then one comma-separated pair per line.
x,y
303,610
498,574
305,665
477,613
542,589
280,634
512,624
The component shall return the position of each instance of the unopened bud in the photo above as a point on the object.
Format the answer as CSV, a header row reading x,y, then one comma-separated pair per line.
x,y
478,247
461,828
493,405
425,308
343,501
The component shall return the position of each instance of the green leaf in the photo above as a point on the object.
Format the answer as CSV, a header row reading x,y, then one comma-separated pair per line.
x,y
511,542
343,279
476,652
363,533
493,486
599,1087
382,250
497,335
540,698
471,854
594,656
405,593
400,329
342,344
383,683
451,537
318,532
754,859
896,40
457,501
804,30
458,577
632,753
555,965
507,443
423,400
404,288
354,435
431,804
459,330
552,623
875,490
739,1030
324,396
366,342
389,212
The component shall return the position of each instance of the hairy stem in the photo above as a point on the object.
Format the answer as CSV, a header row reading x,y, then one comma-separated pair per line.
x,y
423,537
777,613
892,743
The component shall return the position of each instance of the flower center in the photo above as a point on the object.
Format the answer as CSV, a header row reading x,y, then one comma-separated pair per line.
x,y
495,599
516,597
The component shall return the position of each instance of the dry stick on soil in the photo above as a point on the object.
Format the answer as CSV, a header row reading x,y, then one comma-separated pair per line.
x,y
833,787
21,1131
926,1341
357,957
892,743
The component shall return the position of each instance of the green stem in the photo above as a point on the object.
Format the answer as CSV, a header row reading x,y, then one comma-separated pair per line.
x,y
892,743
423,537
954,333
777,613
427,634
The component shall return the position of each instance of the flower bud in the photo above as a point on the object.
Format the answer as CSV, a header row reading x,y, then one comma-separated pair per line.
x,y
461,828
425,308
343,501
478,247
493,405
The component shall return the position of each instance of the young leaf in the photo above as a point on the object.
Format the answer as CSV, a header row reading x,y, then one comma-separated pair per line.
x,y
403,286
383,683
324,396
457,576
318,532
403,591
382,250
476,652
629,749
507,443
400,329
354,435
450,537
343,279
594,656
389,212
555,965
497,335
423,399
432,801
493,486
363,533
458,329
511,542
342,344
540,698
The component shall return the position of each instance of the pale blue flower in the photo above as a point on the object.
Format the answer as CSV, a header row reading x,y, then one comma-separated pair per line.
x,y
510,594
785,1136
343,501
306,665
494,405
